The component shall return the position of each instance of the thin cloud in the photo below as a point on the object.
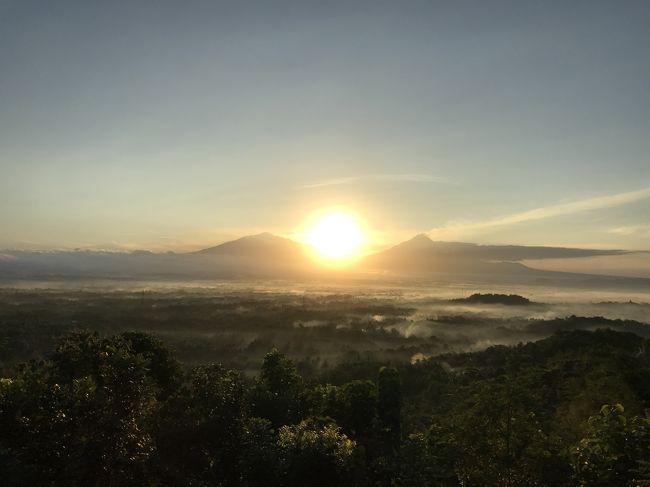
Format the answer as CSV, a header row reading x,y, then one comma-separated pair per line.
x,y
412,178
455,230
632,230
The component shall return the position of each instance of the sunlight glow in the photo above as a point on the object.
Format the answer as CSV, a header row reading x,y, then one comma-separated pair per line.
x,y
336,236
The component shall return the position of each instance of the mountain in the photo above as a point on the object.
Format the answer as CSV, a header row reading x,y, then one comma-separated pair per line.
x,y
262,255
264,246
422,257
267,256
513,253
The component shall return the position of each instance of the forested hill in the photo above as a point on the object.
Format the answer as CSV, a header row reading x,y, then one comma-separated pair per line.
x,y
120,410
489,298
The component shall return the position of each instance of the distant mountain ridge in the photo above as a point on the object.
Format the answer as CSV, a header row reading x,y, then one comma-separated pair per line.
x,y
420,256
266,255
512,253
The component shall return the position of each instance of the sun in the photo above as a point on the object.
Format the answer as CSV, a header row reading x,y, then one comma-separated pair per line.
x,y
336,236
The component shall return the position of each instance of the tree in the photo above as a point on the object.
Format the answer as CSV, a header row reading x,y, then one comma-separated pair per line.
x,y
615,451
80,418
389,407
500,440
277,395
259,458
164,369
358,401
315,453
428,459
200,429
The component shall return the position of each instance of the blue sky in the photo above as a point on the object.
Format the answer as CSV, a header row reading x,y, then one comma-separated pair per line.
x,y
174,125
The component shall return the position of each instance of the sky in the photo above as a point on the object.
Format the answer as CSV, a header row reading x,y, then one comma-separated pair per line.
x,y
176,125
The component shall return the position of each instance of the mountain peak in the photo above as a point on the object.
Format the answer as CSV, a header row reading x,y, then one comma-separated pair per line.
x,y
264,236
420,241
260,244
421,237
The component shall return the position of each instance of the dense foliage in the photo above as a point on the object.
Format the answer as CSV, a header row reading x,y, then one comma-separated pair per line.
x,y
120,410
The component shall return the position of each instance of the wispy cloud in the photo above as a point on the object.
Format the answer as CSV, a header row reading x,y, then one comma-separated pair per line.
x,y
412,178
642,230
456,230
